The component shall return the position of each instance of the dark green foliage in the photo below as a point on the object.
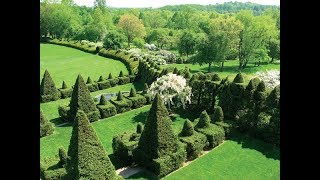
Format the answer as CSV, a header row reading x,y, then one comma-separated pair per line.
x,y
132,92
56,174
187,129
121,74
48,90
145,88
104,84
180,73
123,145
227,127
218,114
215,134
216,77
158,148
248,94
110,76
107,110
132,78
103,100
187,75
113,82
175,71
139,128
100,79
124,80
260,94
87,157
63,157
148,98
89,81
194,144
204,120
93,87
81,100
261,87
273,100
63,112
64,85
238,78
122,104
137,101
65,93
119,96
46,127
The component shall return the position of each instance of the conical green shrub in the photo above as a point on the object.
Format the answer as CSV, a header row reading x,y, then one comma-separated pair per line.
x,y
238,78
139,128
187,75
175,71
273,99
121,74
89,81
216,77
64,85
46,127
204,120
120,96
217,115
87,157
261,87
103,100
133,92
110,76
81,100
100,79
48,90
187,129
63,157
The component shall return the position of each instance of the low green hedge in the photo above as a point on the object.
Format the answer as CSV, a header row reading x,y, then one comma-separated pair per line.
x,y
92,87
227,127
63,112
214,133
194,144
56,174
93,116
148,98
107,110
65,93
123,105
76,45
104,84
123,80
113,82
137,101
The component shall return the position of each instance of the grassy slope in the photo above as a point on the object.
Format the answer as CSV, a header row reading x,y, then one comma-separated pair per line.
x,y
230,68
64,64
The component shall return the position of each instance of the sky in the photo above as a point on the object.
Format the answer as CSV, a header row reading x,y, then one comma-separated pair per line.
x,y
160,3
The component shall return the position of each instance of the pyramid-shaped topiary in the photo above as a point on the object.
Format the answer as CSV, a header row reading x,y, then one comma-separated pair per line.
x,y
110,76
48,90
217,115
64,85
204,120
103,100
121,74
81,100
260,93
187,129
158,148
145,88
175,70
89,81
238,78
133,93
100,79
119,96
87,157
273,99
46,127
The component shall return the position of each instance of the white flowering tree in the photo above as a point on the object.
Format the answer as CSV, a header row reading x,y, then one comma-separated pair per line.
x,y
271,78
173,90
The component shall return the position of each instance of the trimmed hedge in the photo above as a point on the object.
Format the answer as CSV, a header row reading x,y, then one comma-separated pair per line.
x,y
137,101
227,127
48,90
107,110
76,45
104,84
123,80
65,93
46,127
92,87
63,112
56,174
122,104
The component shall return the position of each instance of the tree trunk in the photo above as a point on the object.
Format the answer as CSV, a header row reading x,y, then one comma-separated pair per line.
x,y
222,65
271,60
245,64
209,70
128,42
259,63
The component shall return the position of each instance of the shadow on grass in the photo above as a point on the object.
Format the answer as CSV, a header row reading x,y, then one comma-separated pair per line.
x,y
57,121
246,141
138,86
141,117
186,113
115,161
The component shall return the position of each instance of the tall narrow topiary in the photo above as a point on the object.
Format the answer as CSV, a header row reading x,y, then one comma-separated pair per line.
x,y
133,93
120,96
110,76
204,120
187,129
87,157
103,100
121,74
217,115
64,85
46,127
81,100
48,90
89,81
273,99
238,78
63,157
100,79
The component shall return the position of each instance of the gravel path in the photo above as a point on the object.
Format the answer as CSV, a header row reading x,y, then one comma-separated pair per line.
x,y
128,171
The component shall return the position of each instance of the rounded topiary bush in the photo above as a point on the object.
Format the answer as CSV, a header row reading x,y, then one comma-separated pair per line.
x,y
218,114
238,78
204,120
187,129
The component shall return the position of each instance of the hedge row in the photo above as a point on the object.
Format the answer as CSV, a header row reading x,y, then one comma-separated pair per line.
x,y
76,45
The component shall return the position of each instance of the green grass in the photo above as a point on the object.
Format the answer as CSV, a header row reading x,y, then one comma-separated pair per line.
x,y
230,68
64,64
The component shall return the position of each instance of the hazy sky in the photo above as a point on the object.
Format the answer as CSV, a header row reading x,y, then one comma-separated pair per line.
x,y
159,3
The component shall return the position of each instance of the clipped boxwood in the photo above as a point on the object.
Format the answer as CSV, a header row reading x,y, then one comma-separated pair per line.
x,y
65,93
56,174
148,98
137,101
113,82
123,80
93,87
227,127
215,134
107,110
132,78
122,104
63,112
104,84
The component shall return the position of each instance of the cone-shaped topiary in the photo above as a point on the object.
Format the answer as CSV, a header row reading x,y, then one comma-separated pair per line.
x,y
48,90
121,74
139,128
238,78
165,71
273,99
261,87
120,96
89,81
179,72
133,93
187,75
216,77
175,71
145,88
63,157
64,85
46,127
204,120
100,79
217,115
103,100
110,76
158,138
81,100
187,129
87,157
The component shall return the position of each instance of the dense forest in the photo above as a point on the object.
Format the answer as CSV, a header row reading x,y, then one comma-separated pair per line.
x,y
203,34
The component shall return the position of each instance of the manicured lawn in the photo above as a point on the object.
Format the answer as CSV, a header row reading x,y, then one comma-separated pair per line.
x,y
64,64
230,68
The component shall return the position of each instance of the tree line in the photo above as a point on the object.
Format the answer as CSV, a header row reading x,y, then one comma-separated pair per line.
x,y
203,36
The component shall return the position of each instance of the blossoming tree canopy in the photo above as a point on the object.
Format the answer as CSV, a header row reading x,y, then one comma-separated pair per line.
x,y
271,78
170,87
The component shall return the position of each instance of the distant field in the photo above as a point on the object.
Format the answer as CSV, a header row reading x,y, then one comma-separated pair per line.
x,y
64,64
